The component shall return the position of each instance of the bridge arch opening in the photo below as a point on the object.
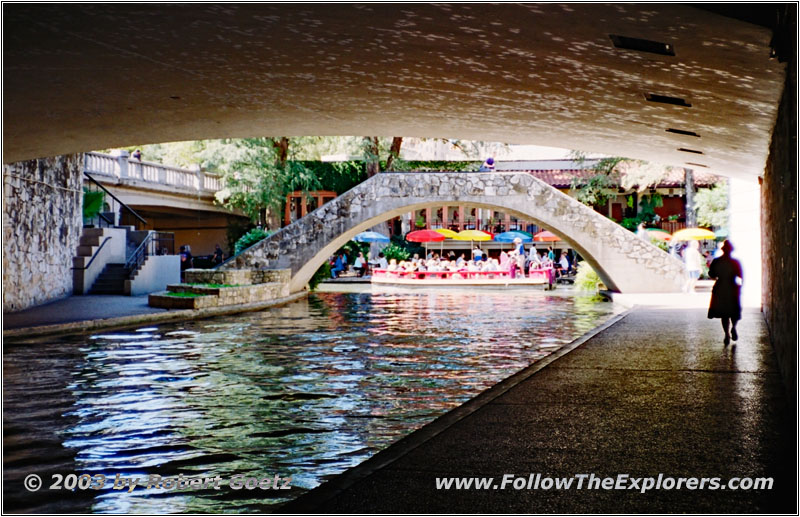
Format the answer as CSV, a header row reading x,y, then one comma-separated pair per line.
x,y
305,273
624,262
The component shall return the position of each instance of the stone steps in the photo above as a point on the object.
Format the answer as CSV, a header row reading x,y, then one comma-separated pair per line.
x,y
111,280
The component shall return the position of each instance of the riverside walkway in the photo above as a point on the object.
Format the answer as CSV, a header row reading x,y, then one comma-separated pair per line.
x,y
654,392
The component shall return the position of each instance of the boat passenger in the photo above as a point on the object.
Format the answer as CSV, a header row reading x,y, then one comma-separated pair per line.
x,y
392,265
382,263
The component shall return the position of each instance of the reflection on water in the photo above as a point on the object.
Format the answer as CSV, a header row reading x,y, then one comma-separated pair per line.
x,y
307,391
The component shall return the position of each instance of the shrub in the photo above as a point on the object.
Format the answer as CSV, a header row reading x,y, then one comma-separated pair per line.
x,y
250,238
393,251
322,273
586,279
92,202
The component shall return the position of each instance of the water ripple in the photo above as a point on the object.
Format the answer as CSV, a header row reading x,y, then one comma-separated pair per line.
x,y
306,390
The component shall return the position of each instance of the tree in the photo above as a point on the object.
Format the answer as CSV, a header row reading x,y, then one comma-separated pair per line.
x,y
612,172
712,206
261,176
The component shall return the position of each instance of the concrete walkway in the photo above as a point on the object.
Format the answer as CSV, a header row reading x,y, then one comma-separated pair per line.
x,y
654,393
87,313
79,308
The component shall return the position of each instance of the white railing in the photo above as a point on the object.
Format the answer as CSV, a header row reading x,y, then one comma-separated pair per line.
x,y
122,167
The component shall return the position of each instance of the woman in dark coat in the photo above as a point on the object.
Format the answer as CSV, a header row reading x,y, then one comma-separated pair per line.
x,y
725,297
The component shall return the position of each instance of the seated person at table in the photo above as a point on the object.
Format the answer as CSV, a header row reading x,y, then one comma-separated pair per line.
x,y
338,266
392,265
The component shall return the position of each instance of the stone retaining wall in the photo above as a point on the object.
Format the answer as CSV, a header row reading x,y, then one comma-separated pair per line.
x,y
247,287
42,223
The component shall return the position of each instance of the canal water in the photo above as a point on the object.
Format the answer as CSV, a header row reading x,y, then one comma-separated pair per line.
x,y
304,391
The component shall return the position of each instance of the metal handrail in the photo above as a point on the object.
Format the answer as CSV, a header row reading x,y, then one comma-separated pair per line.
x,y
115,198
95,254
136,259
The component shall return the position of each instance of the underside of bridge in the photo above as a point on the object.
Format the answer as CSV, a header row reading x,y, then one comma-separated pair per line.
x,y
705,87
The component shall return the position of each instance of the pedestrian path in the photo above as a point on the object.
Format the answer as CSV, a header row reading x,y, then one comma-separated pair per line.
x,y
655,393
79,308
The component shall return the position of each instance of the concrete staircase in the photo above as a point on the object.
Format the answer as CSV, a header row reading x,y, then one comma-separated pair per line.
x,y
111,280
100,256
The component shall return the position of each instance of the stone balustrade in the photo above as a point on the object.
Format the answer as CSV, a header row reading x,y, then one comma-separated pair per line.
x,y
122,166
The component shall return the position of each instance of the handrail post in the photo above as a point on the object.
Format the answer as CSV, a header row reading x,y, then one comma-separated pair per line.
x,y
122,162
200,181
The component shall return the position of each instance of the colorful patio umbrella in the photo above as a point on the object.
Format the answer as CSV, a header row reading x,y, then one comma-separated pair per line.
x,y
693,234
546,236
450,234
371,237
472,235
510,236
425,236
658,234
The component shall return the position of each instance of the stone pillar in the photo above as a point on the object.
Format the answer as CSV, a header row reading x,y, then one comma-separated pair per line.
x,y
405,224
460,217
122,162
428,217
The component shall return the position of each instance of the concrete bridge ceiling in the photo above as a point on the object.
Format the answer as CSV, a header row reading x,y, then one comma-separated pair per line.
x,y
91,76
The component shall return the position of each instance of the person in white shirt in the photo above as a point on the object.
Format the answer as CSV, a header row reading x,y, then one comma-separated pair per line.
x,y
564,261
693,260
382,262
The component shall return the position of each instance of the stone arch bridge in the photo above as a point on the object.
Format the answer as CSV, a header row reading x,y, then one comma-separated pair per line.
x,y
624,262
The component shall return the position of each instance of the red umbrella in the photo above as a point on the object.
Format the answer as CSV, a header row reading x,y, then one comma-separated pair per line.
x,y
546,236
425,236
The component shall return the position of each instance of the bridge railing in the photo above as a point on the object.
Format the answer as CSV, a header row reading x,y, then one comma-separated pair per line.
x,y
122,166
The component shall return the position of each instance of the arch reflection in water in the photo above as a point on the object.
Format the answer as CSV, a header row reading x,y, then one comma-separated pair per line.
x,y
306,390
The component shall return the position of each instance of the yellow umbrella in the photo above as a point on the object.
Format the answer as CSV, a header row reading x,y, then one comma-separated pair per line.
x,y
472,235
450,234
693,234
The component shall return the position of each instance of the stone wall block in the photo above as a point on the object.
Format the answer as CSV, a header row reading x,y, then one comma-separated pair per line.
x,y
42,217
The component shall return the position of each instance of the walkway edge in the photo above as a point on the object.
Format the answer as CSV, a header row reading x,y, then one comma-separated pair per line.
x,y
312,501
75,327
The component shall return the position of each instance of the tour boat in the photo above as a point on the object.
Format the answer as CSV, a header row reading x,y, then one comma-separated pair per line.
x,y
536,277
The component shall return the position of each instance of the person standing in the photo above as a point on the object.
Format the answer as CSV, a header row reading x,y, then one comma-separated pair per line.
x,y
218,255
726,294
488,165
693,261
186,260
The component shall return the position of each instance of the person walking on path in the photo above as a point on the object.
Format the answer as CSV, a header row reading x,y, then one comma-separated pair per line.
x,y
693,261
725,295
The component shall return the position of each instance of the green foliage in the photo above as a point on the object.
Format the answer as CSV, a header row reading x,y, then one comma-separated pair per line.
x,y
586,279
235,230
257,181
337,176
393,251
647,206
186,295
660,244
250,238
92,202
711,205
594,191
630,223
321,274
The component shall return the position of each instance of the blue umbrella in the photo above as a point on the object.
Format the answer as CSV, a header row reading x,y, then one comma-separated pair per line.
x,y
371,237
510,236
